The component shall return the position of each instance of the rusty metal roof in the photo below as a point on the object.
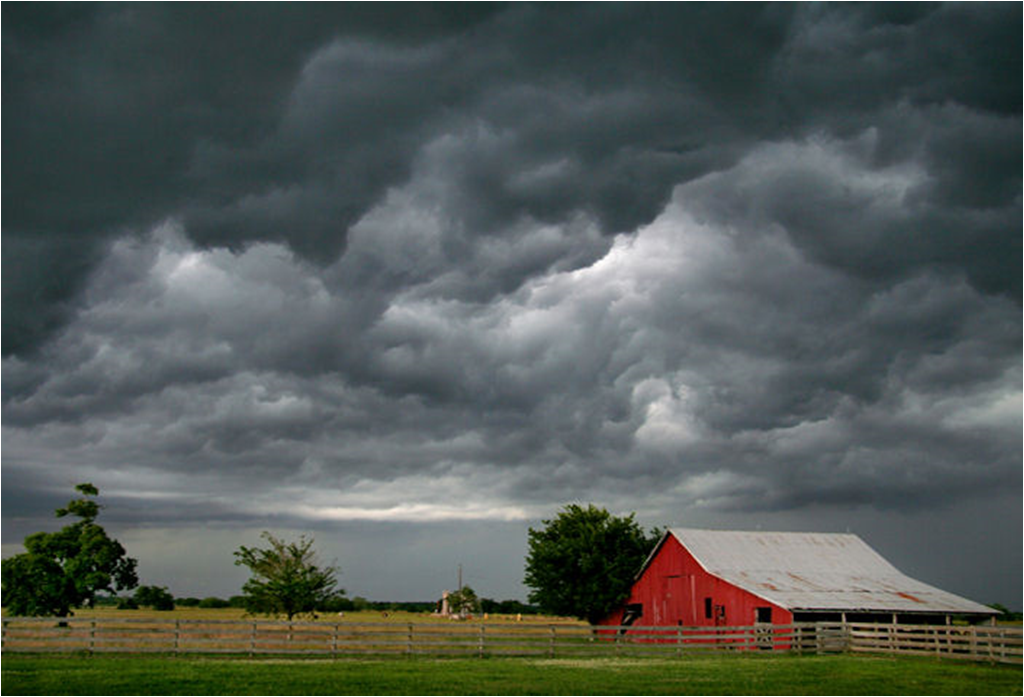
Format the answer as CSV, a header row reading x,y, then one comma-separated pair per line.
x,y
816,571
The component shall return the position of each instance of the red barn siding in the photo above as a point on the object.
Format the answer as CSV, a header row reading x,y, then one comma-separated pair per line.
x,y
673,589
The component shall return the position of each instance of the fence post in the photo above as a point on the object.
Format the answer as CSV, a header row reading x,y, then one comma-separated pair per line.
x,y
480,651
552,651
679,641
334,641
408,645
252,640
92,635
177,635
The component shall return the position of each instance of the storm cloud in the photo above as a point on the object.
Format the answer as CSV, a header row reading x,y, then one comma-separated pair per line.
x,y
374,271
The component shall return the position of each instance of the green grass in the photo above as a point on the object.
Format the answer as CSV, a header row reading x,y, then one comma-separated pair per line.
x,y
850,675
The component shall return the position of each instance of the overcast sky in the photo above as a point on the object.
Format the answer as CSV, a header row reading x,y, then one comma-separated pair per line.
x,y
409,279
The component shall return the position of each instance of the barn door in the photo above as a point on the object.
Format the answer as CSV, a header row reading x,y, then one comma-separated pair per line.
x,y
763,628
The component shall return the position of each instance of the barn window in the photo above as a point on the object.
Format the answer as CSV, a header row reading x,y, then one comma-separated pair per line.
x,y
631,614
707,608
634,611
764,614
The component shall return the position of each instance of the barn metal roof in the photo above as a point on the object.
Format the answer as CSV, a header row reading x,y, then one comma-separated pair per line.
x,y
816,571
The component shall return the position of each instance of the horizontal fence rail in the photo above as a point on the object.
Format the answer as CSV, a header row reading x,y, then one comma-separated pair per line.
x,y
260,637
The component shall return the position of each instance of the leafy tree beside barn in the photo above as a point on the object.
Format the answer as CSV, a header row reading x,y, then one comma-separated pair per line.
x,y
62,570
582,563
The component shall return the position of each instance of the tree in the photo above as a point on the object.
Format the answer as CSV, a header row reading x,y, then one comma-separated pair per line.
x,y
62,570
286,579
583,562
156,597
463,601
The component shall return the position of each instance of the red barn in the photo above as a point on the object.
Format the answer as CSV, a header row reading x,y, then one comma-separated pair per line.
x,y
699,578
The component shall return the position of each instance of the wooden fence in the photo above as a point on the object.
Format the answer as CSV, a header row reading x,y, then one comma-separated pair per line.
x,y
975,642
259,637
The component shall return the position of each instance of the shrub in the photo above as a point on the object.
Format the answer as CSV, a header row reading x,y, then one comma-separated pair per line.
x,y
156,597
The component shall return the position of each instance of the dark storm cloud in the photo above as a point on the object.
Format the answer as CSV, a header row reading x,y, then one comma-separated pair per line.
x,y
288,124
112,112
297,265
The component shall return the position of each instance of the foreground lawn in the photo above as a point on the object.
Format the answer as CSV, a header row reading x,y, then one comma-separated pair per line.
x,y
849,675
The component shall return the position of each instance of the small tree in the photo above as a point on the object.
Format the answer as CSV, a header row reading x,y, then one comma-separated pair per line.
x,y
286,579
463,601
62,570
582,563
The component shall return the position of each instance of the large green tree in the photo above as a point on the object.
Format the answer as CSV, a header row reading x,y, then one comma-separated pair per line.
x,y
582,563
62,570
286,578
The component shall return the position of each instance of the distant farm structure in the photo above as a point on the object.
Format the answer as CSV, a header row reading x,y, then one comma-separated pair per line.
x,y
444,608
708,578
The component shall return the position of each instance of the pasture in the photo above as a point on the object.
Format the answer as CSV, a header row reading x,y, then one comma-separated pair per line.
x,y
231,613
709,675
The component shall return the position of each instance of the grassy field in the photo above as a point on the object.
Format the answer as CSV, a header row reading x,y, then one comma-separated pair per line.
x,y
849,675
230,613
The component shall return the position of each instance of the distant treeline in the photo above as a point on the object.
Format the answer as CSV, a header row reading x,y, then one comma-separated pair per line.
x,y
336,604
